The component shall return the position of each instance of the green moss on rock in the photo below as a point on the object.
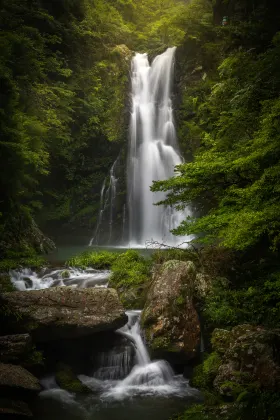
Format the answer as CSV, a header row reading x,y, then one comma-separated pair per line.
x,y
205,373
66,379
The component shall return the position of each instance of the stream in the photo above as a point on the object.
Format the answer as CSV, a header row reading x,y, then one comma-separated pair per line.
x,y
124,381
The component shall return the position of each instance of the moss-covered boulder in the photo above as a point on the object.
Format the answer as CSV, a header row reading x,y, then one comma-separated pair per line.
x,y
66,379
169,318
251,361
65,312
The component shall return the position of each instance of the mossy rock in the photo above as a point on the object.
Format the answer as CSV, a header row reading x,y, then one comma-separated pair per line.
x,y
205,373
221,340
65,274
66,379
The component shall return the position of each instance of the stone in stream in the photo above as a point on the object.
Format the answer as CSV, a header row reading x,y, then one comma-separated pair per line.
x,y
65,312
14,348
169,318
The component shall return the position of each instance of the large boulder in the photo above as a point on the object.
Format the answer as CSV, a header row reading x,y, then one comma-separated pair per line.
x,y
65,312
169,317
250,360
17,382
14,348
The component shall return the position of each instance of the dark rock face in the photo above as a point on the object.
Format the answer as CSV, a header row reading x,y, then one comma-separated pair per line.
x,y
64,312
169,318
251,359
13,348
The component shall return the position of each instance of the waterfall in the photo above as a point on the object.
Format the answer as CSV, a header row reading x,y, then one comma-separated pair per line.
x,y
107,201
122,373
153,150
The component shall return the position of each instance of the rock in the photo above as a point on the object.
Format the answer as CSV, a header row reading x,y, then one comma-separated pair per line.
x,y
65,312
66,379
65,274
169,318
14,348
250,362
220,340
17,382
10,409
202,285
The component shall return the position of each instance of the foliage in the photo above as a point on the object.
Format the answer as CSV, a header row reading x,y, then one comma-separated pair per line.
x,y
255,303
99,260
130,267
233,178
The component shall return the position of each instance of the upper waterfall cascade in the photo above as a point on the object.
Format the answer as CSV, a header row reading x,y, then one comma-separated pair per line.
x,y
153,153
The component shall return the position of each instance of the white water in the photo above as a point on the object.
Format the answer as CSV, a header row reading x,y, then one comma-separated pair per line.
x,y
153,151
145,378
26,279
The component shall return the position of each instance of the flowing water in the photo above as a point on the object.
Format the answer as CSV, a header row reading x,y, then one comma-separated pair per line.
x,y
26,279
153,154
153,150
125,384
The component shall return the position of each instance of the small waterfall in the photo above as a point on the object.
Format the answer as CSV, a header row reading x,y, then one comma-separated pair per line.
x,y
153,150
141,377
107,201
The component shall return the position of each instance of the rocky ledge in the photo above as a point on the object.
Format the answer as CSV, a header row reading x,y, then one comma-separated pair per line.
x,y
64,312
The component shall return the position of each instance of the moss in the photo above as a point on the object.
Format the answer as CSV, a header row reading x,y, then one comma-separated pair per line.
x,y
67,380
65,274
220,340
35,358
205,373
160,343
231,389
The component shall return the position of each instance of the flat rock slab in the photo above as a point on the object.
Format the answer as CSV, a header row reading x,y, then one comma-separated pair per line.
x,y
15,380
13,348
66,312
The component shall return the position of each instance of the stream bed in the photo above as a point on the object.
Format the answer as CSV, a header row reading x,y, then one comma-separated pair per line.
x,y
123,381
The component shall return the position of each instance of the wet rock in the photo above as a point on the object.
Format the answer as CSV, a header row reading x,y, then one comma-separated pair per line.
x,y
66,379
17,382
169,318
14,348
10,409
250,362
64,312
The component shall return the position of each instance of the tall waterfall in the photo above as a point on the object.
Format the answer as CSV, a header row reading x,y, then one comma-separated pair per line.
x,y
153,150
